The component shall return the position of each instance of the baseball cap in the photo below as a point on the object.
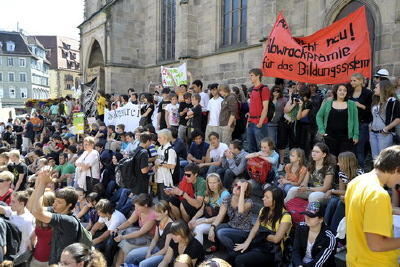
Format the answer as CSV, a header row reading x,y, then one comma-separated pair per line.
x,y
314,209
382,73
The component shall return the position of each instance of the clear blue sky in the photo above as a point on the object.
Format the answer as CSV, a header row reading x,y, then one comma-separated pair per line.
x,y
43,17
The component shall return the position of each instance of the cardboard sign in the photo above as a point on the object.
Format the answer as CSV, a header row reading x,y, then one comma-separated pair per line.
x,y
174,76
329,56
128,115
78,122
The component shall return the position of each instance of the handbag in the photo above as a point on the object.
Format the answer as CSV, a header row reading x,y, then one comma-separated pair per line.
x,y
210,211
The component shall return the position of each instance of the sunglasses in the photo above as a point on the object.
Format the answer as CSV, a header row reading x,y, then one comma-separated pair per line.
x,y
189,174
3,180
236,185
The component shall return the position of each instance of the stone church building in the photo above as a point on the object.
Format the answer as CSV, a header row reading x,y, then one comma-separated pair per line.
x,y
124,42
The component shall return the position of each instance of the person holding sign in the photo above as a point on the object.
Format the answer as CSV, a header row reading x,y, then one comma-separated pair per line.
x,y
257,122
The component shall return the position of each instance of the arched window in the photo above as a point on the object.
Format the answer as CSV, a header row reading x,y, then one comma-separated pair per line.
x,y
234,22
168,20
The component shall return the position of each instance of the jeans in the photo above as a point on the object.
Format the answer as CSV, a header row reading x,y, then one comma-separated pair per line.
x,y
379,142
272,131
334,213
138,257
286,187
254,136
229,236
362,141
109,248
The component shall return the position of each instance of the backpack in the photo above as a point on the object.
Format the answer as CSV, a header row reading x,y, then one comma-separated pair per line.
x,y
295,206
84,236
13,238
259,169
175,174
125,171
271,106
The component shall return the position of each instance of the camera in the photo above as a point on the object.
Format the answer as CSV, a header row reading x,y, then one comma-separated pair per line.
x,y
296,97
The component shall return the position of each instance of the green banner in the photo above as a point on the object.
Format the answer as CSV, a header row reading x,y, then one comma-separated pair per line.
x,y
78,122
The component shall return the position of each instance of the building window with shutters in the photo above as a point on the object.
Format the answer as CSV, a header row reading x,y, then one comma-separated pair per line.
x,y
234,22
22,62
11,77
10,61
167,30
22,77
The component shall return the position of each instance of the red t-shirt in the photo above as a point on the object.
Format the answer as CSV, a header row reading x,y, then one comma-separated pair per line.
x,y
7,197
256,106
42,249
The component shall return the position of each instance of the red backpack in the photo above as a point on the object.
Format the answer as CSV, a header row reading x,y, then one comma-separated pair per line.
x,y
295,206
259,169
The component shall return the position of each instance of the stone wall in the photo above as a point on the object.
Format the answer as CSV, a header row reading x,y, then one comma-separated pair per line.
x,y
129,35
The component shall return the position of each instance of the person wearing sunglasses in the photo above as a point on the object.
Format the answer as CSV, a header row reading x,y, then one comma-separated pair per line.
x,y
188,197
6,180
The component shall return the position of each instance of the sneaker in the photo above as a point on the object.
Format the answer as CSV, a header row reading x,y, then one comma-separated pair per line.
x,y
281,167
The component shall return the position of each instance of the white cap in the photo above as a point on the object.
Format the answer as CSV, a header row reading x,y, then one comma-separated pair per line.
x,y
382,73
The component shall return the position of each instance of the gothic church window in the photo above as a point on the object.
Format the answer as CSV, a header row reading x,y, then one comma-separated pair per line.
x,y
168,21
234,22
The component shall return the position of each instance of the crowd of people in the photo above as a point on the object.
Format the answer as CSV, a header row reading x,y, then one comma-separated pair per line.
x,y
264,176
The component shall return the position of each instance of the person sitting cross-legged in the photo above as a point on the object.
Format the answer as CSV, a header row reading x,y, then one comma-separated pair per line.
x,y
102,231
214,154
187,198
233,163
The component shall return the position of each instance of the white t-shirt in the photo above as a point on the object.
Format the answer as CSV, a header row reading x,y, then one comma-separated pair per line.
x,y
164,175
173,114
204,101
25,223
217,153
117,218
214,109
92,159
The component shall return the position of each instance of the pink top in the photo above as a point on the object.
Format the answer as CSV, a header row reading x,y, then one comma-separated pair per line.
x,y
143,219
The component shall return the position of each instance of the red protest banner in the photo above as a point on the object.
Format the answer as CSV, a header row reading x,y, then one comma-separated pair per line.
x,y
329,56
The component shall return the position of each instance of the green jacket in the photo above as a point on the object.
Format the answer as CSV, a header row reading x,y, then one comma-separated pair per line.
x,y
352,121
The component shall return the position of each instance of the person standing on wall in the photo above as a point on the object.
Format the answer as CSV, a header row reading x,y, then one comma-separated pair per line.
x,y
257,122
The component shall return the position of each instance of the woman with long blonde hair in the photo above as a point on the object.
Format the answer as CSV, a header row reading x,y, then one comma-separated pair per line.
x,y
215,194
348,170
385,117
362,97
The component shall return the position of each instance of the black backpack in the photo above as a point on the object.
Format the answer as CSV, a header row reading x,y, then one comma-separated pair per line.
x,y
13,238
175,174
125,171
271,106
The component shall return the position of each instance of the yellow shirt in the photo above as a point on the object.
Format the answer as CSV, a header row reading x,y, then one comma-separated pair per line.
x,y
101,104
286,218
368,210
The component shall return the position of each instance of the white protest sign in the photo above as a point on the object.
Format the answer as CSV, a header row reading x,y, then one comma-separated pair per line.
x,y
128,115
174,76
